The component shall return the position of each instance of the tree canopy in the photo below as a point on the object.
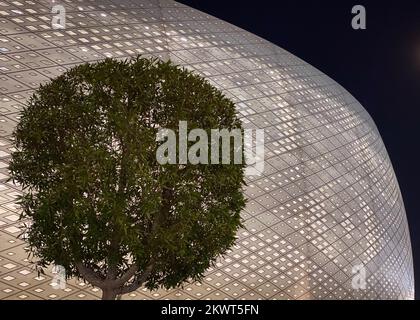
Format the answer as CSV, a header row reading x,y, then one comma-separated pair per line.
x,y
98,202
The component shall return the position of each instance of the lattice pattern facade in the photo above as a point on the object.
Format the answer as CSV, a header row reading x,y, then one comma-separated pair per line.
x,y
328,200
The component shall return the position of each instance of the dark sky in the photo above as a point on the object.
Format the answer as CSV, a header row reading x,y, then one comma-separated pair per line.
x,y
380,66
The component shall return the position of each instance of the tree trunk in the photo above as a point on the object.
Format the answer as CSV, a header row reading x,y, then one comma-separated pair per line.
x,y
108,294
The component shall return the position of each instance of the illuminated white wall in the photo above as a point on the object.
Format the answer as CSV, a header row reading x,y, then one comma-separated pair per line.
x,y
328,201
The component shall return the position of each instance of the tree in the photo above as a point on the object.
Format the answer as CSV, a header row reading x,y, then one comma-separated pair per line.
x,y
98,202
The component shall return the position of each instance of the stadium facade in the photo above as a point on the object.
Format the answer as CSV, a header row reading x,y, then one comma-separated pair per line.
x,y
327,210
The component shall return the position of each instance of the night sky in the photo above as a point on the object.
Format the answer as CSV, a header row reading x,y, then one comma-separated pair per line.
x,y
380,66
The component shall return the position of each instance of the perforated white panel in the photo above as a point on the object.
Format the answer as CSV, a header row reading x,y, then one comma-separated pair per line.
x,y
328,200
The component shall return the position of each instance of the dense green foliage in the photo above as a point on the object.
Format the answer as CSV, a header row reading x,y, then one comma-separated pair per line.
x,y
100,204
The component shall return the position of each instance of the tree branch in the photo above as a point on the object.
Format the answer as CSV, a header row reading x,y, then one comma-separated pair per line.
x,y
167,195
112,271
126,276
139,282
89,275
